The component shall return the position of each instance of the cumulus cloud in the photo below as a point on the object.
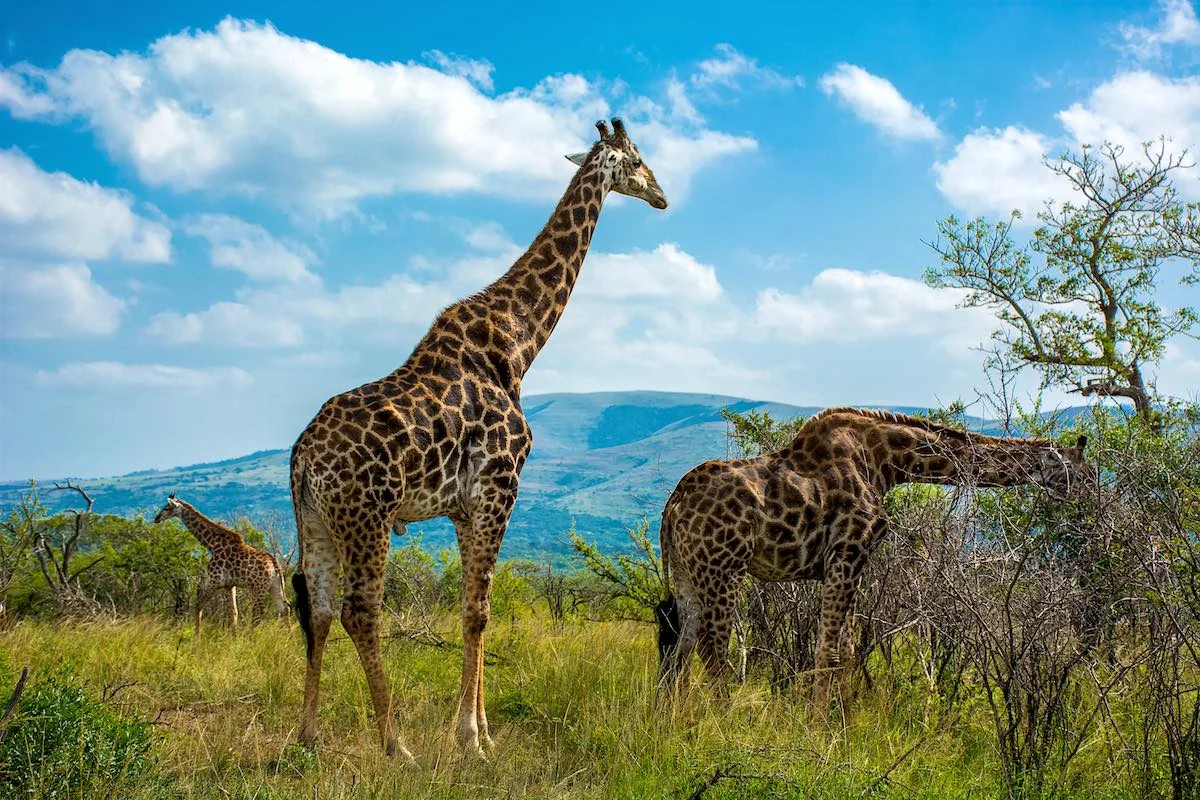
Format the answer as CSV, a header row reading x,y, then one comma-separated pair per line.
x,y
996,171
56,215
1136,107
114,374
246,109
662,273
876,101
55,301
993,171
250,249
842,305
226,323
1178,25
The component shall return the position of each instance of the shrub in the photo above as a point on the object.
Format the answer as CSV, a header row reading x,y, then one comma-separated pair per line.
x,y
63,744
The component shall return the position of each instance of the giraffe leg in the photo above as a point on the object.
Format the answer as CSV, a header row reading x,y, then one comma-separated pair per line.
x,y
837,602
677,666
260,604
362,605
204,595
314,596
231,597
277,594
716,625
479,545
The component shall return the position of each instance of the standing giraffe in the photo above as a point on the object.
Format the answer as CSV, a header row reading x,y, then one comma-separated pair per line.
x,y
444,435
814,509
231,563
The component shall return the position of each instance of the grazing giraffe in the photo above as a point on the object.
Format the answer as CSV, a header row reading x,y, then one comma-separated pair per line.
x,y
814,509
231,563
444,435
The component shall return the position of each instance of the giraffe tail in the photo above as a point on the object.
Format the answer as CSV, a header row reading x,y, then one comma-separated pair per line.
x,y
666,613
299,487
304,611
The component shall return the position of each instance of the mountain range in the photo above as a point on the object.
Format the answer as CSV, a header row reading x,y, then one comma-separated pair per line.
x,y
600,462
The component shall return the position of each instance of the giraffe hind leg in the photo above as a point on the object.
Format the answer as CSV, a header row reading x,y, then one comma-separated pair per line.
x,y
362,604
314,584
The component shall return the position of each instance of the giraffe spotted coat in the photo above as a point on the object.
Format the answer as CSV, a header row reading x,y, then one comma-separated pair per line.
x,y
814,510
232,563
443,435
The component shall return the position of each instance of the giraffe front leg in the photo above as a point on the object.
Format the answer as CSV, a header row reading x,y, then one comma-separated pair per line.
x,y
837,602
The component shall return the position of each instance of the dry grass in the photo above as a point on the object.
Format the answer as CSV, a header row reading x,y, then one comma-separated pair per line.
x,y
571,710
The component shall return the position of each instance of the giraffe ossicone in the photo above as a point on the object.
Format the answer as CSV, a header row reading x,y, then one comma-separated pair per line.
x,y
814,510
443,435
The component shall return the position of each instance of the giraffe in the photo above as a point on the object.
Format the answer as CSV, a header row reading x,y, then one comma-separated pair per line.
x,y
443,435
814,509
231,563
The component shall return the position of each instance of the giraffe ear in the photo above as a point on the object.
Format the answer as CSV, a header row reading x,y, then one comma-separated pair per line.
x,y
577,158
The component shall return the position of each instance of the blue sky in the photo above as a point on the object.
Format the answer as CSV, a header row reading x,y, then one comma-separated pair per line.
x,y
214,217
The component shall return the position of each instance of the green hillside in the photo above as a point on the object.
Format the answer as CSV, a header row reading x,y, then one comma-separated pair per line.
x,y
602,460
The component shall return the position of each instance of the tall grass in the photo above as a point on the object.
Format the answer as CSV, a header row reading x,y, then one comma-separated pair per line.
x,y
571,708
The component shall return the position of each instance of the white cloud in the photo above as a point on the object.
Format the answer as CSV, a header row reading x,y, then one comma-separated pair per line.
x,y
731,69
996,171
54,214
477,71
250,249
227,323
1179,370
666,272
1136,107
55,301
842,305
877,102
1178,26
246,109
114,374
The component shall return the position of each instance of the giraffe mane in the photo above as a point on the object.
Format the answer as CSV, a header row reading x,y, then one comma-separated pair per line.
x,y
919,422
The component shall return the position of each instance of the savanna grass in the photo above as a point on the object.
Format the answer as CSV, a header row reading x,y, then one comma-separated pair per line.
x,y
572,709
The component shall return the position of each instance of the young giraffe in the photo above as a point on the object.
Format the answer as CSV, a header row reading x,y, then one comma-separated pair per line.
x,y
444,435
231,563
814,509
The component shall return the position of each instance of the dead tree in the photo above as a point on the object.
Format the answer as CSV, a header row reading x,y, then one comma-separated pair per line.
x,y
56,554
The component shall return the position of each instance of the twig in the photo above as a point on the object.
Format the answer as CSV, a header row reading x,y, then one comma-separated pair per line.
x,y
12,701
873,785
710,782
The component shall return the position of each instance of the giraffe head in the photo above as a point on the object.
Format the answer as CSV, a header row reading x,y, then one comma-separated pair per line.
x,y
1061,471
618,160
173,508
1064,471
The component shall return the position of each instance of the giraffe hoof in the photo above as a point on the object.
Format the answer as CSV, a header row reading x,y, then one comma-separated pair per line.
x,y
307,738
400,753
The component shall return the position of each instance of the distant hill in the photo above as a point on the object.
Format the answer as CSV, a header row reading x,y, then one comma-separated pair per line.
x,y
602,460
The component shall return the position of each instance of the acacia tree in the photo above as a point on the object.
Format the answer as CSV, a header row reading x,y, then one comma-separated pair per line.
x,y
1077,300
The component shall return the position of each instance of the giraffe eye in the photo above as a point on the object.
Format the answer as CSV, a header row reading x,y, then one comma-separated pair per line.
x,y
637,162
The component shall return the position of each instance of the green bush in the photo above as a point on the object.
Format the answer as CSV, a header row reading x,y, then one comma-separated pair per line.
x,y
63,744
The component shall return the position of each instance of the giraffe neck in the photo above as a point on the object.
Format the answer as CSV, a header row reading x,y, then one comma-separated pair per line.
x,y
211,534
951,457
528,300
